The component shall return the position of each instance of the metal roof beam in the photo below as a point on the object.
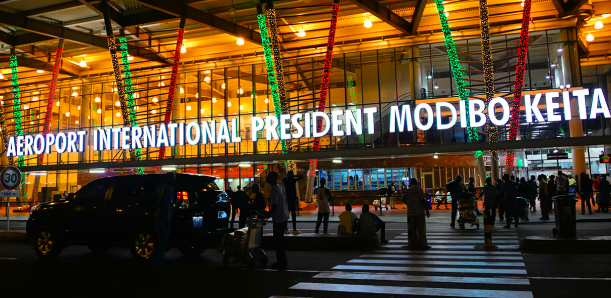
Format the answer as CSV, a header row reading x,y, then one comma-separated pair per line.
x,y
52,8
417,16
569,6
388,16
204,18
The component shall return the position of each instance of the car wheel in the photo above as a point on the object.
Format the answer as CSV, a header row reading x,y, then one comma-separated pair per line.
x,y
98,248
192,251
142,246
46,244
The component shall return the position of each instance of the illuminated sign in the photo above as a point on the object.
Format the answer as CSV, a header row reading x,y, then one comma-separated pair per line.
x,y
340,122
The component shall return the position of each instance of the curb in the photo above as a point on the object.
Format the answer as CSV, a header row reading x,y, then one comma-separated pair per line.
x,y
579,245
13,237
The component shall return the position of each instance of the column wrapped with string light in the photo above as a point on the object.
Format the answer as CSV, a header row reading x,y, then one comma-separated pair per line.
x,y
488,81
269,66
129,89
519,83
322,101
51,98
18,124
173,78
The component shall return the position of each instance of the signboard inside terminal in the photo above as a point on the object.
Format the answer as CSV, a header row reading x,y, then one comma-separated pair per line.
x,y
341,122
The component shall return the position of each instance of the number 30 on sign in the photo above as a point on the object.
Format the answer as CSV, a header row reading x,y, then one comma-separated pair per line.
x,y
10,177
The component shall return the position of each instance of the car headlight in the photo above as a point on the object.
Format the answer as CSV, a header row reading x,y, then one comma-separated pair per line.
x,y
34,208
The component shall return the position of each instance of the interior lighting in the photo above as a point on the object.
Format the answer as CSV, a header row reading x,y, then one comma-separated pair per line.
x,y
598,25
207,80
117,114
76,122
75,94
561,86
244,165
35,98
99,111
183,49
301,33
202,111
223,86
182,90
553,65
67,114
435,156
548,77
606,15
154,112
436,86
1,76
559,50
266,100
590,37
568,86
446,13
25,107
97,171
83,63
130,57
229,103
155,99
337,160
38,173
196,95
57,103
214,100
117,104
241,107
429,76
188,108
368,23
136,95
168,168
97,99
78,108
40,71
240,91
240,41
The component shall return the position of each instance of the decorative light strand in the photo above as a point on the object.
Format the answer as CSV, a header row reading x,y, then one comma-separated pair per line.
x,y
119,83
16,104
455,63
519,82
131,106
488,73
49,112
173,78
322,101
273,34
352,92
269,64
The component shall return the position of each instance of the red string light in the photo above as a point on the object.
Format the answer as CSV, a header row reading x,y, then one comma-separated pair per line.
x,y
322,101
173,78
519,82
47,124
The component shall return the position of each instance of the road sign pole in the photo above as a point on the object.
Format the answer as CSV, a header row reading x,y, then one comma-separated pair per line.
x,y
8,213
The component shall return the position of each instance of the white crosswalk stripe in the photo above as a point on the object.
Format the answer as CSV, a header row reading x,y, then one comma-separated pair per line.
x,y
452,268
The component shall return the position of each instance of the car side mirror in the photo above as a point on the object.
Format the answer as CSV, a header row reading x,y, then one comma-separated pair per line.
x,y
70,196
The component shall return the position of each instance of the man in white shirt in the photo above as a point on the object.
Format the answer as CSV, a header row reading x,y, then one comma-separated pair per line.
x,y
280,214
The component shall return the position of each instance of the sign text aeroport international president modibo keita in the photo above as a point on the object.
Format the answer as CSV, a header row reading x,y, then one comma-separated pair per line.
x,y
293,126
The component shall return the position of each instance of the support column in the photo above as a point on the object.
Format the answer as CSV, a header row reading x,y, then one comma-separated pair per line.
x,y
415,79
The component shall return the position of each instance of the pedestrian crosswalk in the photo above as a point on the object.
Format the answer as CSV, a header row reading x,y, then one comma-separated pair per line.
x,y
452,268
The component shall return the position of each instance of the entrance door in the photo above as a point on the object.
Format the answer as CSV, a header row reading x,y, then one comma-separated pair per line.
x,y
427,180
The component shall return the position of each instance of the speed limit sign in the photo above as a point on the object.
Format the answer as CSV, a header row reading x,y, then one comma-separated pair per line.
x,y
10,177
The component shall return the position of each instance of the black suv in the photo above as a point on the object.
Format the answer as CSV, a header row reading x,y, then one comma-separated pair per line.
x,y
118,211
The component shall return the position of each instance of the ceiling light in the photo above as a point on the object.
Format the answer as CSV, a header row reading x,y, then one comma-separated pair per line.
x,y
241,107
301,33
38,173
559,50
196,95
598,25
436,86
130,57
202,111
75,94
214,100
57,104
188,108
76,122
337,160
35,98
26,107
266,100
154,112
136,95
182,90
67,114
155,99
83,63
590,37
118,114
367,23
568,86
168,168
447,13
97,171
553,65
99,111
137,108
435,156
223,86
115,89
97,99
606,15
561,86
1,76
78,108
240,91
183,49
118,104
207,80
240,41
40,71
229,103
555,150
548,77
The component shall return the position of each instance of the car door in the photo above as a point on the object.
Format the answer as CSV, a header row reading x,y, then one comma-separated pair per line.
x,y
85,210
119,214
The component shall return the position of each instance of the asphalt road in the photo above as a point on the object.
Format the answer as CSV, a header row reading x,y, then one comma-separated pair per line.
x,y
451,268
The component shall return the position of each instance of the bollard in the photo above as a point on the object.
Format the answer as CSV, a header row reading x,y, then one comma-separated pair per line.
x,y
488,230
409,233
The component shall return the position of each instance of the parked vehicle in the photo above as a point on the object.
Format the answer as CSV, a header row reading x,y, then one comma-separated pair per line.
x,y
118,211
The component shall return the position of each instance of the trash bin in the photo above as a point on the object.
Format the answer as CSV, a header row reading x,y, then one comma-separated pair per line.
x,y
564,210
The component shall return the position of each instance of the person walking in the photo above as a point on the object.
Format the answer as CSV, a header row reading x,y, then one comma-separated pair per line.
x,y
500,199
403,190
279,211
585,192
417,207
532,193
391,195
164,199
323,196
259,201
604,188
290,184
543,198
456,189
490,194
551,192
244,205
510,193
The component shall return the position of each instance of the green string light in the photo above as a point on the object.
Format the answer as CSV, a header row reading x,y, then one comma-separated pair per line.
x,y
271,75
17,114
352,92
131,106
